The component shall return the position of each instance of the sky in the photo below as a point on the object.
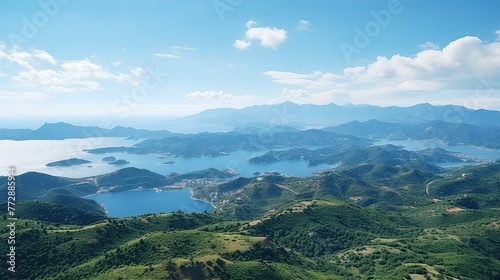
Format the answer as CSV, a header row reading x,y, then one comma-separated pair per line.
x,y
86,61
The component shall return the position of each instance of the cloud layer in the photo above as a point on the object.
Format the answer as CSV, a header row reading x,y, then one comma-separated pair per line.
x,y
42,74
465,64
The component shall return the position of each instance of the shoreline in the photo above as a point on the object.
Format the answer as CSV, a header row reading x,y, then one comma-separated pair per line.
x,y
191,196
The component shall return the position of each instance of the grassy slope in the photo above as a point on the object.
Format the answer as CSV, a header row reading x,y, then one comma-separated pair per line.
x,y
311,239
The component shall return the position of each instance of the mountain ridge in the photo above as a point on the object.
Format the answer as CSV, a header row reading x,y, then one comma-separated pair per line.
x,y
289,113
62,130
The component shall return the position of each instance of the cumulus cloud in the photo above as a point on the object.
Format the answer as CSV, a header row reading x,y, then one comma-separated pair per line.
x,y
216,95
267,37
242,44
461,67
303,25
39,70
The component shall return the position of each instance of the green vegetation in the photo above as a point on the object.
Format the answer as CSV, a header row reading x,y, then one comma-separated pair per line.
x,y
371,221
310,239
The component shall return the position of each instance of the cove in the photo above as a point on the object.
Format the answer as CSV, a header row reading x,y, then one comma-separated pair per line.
x,y
139,202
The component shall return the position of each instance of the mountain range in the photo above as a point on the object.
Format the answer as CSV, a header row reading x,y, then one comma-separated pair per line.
x,y
269,117
295,115
449,133
61,130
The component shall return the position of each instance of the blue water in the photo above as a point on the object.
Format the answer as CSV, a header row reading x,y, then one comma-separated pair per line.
x,y
33,155
134,203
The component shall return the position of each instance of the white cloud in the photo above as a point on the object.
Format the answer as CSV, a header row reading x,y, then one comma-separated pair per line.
x,y
295,92
497,32
40,71
25,59
242,44
45,56
303,25
267,37
117,63
168,55
251,23
464,67
137,72
21,58
312,80
185,48
216,95
429,46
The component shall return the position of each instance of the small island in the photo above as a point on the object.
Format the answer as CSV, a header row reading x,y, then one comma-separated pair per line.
x,y
119,162
67,162
109,159
169,162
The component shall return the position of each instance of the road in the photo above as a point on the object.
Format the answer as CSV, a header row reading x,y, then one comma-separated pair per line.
x,y
428,184
287,188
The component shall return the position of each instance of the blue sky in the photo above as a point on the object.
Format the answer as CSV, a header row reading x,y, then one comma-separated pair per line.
x,y
62,60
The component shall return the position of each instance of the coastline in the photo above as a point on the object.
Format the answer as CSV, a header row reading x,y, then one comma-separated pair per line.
x,y
193,198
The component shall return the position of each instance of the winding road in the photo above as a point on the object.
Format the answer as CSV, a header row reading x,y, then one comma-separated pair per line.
x,y
428,184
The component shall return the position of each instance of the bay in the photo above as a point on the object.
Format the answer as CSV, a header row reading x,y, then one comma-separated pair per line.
x,y
139,202
33,155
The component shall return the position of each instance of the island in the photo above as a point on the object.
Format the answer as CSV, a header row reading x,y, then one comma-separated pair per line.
x,y
169,162
109,159
67,162
119,162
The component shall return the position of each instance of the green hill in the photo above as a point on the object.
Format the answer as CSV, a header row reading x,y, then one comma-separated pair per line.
x,y
368,221
34,185
309,239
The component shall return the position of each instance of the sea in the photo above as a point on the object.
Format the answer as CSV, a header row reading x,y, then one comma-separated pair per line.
x,y
33,155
